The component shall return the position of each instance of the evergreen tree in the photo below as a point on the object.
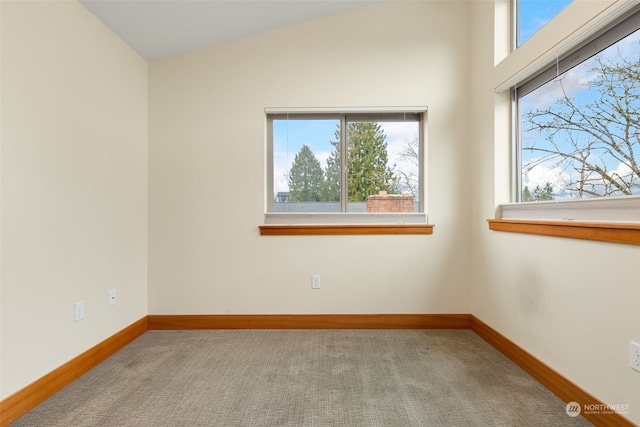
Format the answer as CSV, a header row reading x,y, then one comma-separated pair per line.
x,y
367,164
331,186
305,177
539,194
545,193
368,172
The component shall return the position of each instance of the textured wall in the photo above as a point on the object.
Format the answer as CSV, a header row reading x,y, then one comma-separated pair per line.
x,y
74,186
207,140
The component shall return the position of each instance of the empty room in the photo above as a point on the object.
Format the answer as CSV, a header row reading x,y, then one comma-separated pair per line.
x,y
320,213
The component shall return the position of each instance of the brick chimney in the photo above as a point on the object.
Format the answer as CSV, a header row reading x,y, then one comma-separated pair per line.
x,y
383,202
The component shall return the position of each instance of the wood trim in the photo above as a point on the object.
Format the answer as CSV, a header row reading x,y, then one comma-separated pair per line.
x,y
310,321
21,402
344,229
552,380
604,232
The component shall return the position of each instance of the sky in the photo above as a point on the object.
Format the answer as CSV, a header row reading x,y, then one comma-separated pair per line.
x,y
534,14
290,135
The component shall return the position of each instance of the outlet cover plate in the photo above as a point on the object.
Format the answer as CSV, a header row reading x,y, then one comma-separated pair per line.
x,y
78,311
315,281
634,356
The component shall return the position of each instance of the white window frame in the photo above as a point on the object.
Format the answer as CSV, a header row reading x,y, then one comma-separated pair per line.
x,y
289,218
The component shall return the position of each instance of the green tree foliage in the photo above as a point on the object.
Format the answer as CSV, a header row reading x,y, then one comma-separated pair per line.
x,y
539,194
368,171
331,187
367,165
306,177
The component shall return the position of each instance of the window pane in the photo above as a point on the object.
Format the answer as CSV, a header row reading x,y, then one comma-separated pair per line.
x,y
580,132
383,160
534,14
304,165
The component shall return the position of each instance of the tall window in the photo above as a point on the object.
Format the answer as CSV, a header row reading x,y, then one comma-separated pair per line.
x,y
579,121
362,162
531,15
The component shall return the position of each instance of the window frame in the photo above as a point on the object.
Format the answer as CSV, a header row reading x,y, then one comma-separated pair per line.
x,y
606,37
345,115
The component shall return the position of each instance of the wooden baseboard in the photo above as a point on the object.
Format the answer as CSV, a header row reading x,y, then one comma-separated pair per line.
x,y
552,380
310,321
21,402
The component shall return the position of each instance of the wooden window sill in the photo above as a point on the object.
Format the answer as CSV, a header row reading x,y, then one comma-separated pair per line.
x,y
604,232
344,229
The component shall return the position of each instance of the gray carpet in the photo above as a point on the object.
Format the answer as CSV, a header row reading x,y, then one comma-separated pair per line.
x,y
304,378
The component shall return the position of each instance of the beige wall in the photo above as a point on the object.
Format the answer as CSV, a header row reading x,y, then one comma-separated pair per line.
x,y
573,304
207,167
74,186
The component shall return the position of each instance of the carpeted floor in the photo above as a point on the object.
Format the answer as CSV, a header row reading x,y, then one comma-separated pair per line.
x,y
304,378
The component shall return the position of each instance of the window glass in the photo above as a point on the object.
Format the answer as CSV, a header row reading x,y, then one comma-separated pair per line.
x,y
301,150
531,15
580,131
383,161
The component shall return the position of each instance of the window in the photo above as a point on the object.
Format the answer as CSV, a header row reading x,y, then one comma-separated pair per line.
x,y
531,15
576,128
356,166
578,121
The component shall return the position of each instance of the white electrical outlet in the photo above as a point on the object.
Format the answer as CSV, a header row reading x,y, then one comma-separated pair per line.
x,y
315,281
634,357
112,297
78,311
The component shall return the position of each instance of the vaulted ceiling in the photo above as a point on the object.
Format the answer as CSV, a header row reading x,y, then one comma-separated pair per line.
x,y
158,29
